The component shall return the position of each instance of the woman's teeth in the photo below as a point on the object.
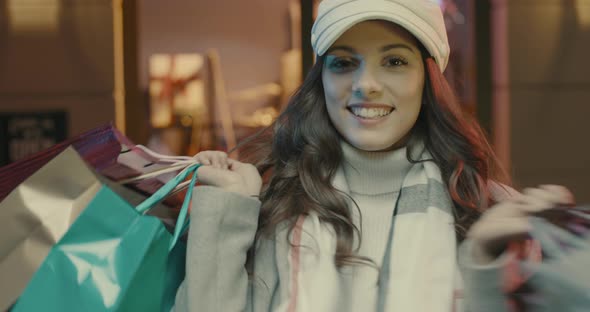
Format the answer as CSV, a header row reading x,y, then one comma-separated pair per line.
x,y
370,112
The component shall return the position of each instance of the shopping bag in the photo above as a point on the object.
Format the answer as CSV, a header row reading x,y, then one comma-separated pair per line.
x,y
561,282
110,153
99,147
113,258
35,215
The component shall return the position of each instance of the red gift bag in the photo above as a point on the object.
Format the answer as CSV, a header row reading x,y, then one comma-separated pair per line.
x,y
106,150
99,147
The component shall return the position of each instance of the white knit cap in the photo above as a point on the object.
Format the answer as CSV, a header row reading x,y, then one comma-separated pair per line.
x,y
422,18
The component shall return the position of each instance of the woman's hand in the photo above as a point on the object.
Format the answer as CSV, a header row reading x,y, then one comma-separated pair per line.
x,y
508,220
231,175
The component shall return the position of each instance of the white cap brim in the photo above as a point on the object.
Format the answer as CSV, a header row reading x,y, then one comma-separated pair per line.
x,y
424,25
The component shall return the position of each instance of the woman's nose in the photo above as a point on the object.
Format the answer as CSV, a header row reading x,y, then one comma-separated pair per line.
x,y
367,84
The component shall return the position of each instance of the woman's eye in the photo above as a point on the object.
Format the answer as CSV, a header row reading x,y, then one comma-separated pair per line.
x,y
395,62
341,65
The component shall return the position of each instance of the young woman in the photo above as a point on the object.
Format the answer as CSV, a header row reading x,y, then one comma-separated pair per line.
x,y
373,176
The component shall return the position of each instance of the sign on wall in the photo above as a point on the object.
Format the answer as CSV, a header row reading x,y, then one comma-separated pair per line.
x,y
23,134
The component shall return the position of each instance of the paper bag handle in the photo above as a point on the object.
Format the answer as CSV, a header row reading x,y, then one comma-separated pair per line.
x,y
165,190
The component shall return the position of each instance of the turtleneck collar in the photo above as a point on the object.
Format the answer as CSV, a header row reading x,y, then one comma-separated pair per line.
x,y
374,173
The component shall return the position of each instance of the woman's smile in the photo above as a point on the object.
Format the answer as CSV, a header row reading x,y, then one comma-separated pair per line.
x,y
370,114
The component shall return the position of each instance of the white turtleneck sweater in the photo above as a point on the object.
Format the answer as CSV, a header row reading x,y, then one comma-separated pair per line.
x,y
374,180
224,225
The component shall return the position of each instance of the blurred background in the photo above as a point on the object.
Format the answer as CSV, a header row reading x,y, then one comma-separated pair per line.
x,y
185,75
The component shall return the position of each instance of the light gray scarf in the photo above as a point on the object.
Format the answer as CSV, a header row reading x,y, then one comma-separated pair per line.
x,y
419,271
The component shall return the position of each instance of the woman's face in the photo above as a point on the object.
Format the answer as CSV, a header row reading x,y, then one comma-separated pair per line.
x,y
373,79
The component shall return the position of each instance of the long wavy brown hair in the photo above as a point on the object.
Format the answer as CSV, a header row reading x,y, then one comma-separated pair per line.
x,y
299,154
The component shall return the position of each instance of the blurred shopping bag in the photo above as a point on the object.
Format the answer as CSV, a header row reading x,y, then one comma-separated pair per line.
x,y
35,215
561,282
114,257
99,147
106,150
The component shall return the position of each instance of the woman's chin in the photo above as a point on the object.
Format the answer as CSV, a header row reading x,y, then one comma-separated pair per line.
x,y
373,146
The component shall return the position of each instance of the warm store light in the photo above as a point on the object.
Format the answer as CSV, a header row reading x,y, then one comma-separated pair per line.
x,y
583,10
33,16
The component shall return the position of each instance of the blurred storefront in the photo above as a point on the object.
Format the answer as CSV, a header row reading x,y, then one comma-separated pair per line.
x,y
186,75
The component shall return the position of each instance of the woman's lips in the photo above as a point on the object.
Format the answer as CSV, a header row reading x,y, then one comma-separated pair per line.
x,y
370,111
370,114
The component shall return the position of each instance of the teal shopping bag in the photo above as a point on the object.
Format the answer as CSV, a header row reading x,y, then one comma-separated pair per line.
x,y
113,258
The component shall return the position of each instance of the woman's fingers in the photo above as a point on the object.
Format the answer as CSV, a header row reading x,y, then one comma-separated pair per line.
x,y
560,194
238,166
509,220
202,159
215,159
249,173
209,175
516,208
492,236
500,229
232,175
218,159
532,201
548,195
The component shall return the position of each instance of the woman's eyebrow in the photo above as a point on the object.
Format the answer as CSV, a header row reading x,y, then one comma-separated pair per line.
x,y
383,49
344,48
396,46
